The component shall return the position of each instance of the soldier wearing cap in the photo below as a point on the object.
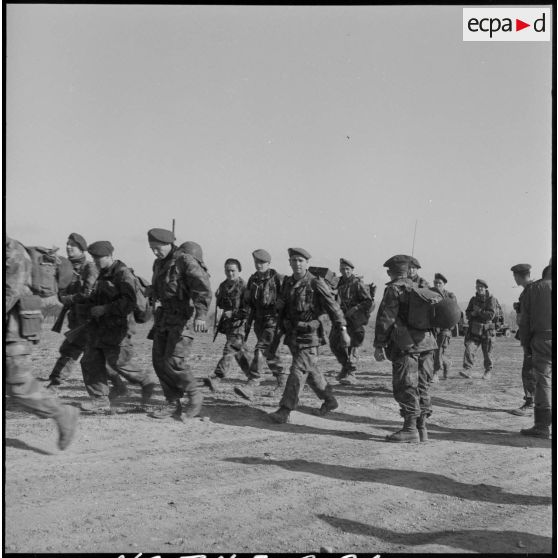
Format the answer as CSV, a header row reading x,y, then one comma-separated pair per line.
x,y
522,277
480,313
303,300
109,310
443,336
84,277
356,303
260,299
535,334
410,350
230,298
414,266
19,332
181,285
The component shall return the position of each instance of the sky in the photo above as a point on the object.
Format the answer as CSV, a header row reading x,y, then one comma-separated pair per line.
x,y
355,132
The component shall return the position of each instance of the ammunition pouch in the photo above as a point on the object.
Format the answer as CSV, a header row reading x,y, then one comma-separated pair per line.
x,y
308,327
30,317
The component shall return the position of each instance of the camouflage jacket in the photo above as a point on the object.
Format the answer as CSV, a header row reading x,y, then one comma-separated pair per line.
x,y
536,311
301,303
181,284
230,298
420,282
481,309
18,273
83,280
262,291
392,329
353,295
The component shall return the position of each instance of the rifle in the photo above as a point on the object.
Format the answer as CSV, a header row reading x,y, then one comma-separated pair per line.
x,y
57,327
73,334
216,324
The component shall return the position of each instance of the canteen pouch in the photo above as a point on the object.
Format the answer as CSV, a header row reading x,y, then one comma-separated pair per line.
x,y
476,328
31,317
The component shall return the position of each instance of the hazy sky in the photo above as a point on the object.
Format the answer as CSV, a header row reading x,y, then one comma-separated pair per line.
x,y
331,128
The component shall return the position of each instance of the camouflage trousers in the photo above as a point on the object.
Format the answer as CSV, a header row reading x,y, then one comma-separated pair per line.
x,y
347,357
472,343
528,377
304,368
266,349
411,378
441,359
171,349
234,350
97,361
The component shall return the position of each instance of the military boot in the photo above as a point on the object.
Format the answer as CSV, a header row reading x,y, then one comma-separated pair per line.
x,y
329,404
147,393
193,408
118,391
541,429
66,421
487,375
525,410
97,406
281,416
247,390
349,379
62,370
465,374
421,427
279,388
408,433
171,409
212,382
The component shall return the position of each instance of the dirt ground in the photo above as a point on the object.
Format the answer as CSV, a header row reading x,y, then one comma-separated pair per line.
x,y
232,481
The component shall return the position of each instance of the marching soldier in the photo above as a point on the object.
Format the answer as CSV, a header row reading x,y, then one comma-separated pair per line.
x,y
230,298
84,276
522,277
181,285
410,350
535,333
110,330
480,314
260,298
356,303
304,298
414,266
19,331
443,336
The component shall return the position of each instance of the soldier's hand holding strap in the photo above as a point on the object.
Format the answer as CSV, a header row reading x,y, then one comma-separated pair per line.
x,y
200,325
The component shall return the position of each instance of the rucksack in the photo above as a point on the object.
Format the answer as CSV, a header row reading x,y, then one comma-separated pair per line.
x,y
429,310
143,310
49,271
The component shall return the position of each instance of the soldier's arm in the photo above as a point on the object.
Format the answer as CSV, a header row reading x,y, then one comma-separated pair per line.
x,y
525,322
470,312
364,298
197,280
487,314
387,315
126,300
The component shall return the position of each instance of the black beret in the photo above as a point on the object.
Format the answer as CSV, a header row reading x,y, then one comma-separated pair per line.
x,y
482,282
262,255
397,260
521,268
233,261
79,240
343,261
160,235
101,248
299,252
414,262
440,277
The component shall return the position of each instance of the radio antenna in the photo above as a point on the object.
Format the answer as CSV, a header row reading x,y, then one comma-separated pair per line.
x,y
414,236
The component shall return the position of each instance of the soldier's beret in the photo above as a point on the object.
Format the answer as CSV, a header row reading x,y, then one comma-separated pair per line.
x,y
160,235
262,255
101,248
79,240
440,277
521,268
343,261
414,262
233,261
299,252
397,260
482,282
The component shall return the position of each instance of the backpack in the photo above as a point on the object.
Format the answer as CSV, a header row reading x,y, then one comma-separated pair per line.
x,y
429,310
143,311
49,271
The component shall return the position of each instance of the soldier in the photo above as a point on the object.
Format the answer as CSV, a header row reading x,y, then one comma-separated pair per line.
x,y
410,350
19,331
535,334
110,329
230,298
481,331
303,299
260,298
443,336
414,266
84,277
356,303
181,285
522,277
